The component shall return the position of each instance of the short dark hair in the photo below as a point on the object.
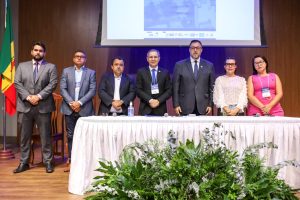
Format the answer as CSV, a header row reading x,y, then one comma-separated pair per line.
x,y
41,44
115,58
264,59
230,58
79,51
153,50
194,41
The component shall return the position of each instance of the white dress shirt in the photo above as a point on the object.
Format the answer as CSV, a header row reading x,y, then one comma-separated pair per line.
x,y
116,94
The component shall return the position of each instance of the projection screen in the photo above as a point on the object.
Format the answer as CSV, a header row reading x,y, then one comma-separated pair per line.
x,y
177,22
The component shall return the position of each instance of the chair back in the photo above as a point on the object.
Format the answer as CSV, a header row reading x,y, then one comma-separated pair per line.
x,y
58,126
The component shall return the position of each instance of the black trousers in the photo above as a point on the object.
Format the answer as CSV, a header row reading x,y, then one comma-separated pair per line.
x,y
70,126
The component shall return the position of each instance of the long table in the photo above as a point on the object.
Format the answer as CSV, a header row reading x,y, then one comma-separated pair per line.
x,y
104,137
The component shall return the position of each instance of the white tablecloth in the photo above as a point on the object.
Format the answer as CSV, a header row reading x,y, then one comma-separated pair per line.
x,y
104,137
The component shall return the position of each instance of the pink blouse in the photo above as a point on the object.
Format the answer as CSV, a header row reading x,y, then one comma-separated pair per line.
x,y
260,82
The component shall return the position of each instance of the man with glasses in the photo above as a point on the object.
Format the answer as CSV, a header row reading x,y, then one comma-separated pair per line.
x,y
77,87
193,81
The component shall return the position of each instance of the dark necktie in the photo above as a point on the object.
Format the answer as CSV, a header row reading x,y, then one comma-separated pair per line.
x,y
196,69
153,77
35,71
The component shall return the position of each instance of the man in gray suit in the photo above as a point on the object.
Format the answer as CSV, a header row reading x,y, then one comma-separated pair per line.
x,y
35,81
193,81
77,87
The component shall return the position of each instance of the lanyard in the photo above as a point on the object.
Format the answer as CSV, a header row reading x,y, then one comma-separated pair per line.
x,y
261,81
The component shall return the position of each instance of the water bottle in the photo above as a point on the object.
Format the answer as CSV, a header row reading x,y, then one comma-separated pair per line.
x,y
130,110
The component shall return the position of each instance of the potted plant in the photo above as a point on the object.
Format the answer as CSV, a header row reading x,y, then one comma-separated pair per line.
x,y
207,170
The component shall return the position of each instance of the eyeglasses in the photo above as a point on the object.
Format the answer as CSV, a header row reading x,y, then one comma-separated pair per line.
x,y
77,56
230,64
259,62
195,48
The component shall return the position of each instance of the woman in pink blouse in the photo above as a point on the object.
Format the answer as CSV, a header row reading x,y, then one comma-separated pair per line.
x,y
264,90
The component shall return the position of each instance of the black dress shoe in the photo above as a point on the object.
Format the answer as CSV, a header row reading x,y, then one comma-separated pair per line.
x,y
49,168
21,168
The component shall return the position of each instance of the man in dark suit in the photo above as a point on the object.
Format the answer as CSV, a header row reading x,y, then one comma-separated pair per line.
x,y
77,87
35,81
153,86
116,90
193,81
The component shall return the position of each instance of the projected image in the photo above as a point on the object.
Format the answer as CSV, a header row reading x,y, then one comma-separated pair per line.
x,y
180,15
177,22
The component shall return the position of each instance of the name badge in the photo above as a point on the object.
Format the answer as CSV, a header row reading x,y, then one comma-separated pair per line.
x,y
77,84
266,92
154,89
231,107
77,87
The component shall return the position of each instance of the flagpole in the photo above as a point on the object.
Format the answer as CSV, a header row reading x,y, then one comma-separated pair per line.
x,y
5,154
4,124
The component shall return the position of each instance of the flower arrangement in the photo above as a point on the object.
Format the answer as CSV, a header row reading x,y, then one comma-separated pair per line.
x,y
206,171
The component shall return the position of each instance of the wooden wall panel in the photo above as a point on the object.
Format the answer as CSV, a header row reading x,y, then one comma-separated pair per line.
x,y
70,24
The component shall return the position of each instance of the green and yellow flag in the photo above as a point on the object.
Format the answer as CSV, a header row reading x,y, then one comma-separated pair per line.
x,y
7,65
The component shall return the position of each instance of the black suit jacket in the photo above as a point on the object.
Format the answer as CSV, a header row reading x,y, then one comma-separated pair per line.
x,y
187,90
143,90
107,88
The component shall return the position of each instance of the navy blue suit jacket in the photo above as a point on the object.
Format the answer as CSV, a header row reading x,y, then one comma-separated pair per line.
x,y
107,88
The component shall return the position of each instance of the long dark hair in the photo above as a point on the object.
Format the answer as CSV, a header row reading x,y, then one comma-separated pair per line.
x,y
264,59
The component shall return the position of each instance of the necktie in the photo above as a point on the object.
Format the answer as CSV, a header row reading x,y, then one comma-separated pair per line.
x,y
153,77
36,71
196,69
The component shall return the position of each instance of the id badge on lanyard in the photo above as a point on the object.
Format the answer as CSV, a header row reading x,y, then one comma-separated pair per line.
x,y
265,91
154,89
77,87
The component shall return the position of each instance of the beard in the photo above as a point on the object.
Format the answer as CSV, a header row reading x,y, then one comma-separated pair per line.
x,y
195,55
38,57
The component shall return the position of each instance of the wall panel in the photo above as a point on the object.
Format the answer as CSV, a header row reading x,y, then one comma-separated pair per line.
x,y
71,24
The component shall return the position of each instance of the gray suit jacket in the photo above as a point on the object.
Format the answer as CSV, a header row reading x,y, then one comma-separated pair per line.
x,y
86,93
187,89
44,86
